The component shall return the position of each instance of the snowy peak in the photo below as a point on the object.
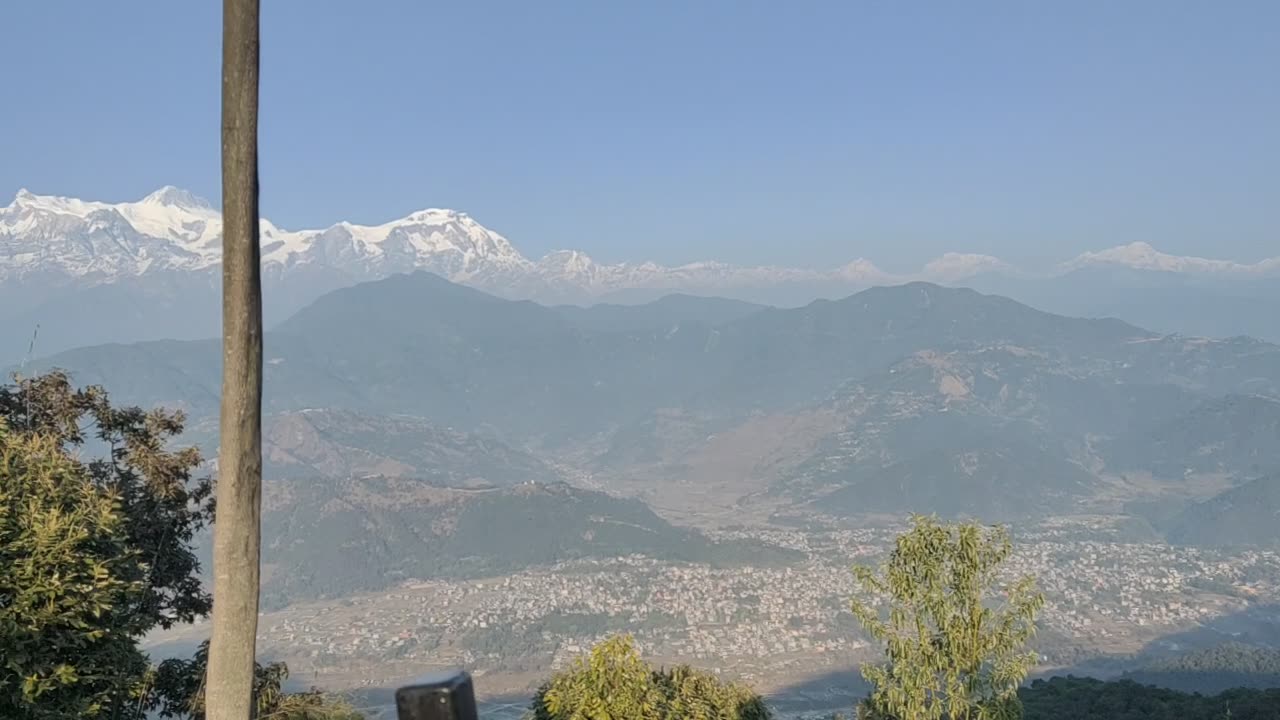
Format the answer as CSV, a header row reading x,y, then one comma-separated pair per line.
x,y
27,201
862,271
957,267
170,196
446,242
1143,256
568,263
172,229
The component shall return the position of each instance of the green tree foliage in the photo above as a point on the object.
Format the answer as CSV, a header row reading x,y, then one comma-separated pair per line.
x,y
1214,669
162,505
954,641
68,581
94,554
1073,698
612,682
179,693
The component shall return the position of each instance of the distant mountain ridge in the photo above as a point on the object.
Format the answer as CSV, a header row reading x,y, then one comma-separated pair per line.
x,y
901,395
172,229
90,272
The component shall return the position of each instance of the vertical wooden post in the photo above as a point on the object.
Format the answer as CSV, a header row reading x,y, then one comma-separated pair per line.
x,y
237,532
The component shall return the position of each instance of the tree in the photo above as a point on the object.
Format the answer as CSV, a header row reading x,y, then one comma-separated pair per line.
x,y
612,682
67,579
162,501
180,693
92,555
954,642
237,539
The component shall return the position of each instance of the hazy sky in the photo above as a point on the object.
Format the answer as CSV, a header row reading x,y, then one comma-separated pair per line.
x,y
800,133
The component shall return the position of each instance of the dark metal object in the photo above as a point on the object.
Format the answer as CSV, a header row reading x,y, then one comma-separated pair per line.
x,y
444,696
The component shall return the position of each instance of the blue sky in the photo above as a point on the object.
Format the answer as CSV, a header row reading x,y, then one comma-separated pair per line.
x,y
803,133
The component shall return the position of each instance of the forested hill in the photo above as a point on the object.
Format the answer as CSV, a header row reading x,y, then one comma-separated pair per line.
x,y
1073,698
1215,669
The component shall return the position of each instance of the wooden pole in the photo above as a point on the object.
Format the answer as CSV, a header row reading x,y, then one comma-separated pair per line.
x,y
237,532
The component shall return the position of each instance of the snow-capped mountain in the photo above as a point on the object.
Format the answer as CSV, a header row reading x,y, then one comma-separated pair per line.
x,y
1142,256
168,229
172,230
87,272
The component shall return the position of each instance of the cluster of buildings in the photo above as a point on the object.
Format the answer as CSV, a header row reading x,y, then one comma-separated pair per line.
x,y
751,622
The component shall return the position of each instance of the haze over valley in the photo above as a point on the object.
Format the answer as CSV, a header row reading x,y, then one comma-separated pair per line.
x,y
458,478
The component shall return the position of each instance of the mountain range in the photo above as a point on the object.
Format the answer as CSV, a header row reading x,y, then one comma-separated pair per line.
x,y
898,398
87,272
399,408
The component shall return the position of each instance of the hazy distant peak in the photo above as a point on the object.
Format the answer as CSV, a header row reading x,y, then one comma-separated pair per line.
x,y
956,267
864,270
1144,256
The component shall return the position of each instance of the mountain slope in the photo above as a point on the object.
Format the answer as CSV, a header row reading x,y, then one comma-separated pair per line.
x,y
945,395
665,313
333,537
993,481
1212,304
997,432
416,343
342,444
1235,435
1245,515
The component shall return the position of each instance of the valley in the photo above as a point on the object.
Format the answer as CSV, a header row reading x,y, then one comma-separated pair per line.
x,y
506,483
1112,603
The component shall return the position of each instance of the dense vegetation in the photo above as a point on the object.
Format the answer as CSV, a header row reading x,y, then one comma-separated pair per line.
x,y
182,682
614,668
612,682
93,555
950,651
1213,670
1073,698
